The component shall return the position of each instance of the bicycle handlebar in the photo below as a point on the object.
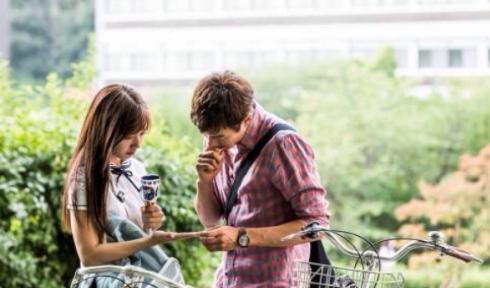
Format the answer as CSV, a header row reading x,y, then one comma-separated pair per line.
x,y
434,242
460,254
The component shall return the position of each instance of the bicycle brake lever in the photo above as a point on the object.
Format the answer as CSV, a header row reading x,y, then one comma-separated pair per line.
x,y
311,229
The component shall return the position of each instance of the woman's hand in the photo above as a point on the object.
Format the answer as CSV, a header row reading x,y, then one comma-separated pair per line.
x,y
152,216
161,237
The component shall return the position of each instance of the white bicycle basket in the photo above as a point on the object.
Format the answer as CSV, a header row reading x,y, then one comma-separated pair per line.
x,y
113,276
326,276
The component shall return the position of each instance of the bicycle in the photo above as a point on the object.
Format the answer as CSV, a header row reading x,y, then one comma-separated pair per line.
x,y
306,274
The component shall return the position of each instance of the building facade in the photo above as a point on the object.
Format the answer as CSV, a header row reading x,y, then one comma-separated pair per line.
x,y
162,41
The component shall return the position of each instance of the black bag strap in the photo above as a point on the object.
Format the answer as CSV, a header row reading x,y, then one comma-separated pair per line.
x,y
317,252
248,161
319,261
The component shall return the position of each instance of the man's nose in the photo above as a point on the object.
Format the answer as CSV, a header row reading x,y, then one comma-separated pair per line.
x,y
212,143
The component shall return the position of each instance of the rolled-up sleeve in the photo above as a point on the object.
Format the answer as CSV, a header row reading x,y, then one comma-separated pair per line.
x,y
296,176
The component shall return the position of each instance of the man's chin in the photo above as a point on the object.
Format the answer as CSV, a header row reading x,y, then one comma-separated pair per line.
x,y
227,147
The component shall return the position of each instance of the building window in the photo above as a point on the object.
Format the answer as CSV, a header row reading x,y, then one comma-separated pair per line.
x,y
237,5
201,6
164,62
322,4
180,61
171,6
488,57
141,62
116,7
401,57
259,4
202,61
425,59
359,51
299,4
455,58
115,62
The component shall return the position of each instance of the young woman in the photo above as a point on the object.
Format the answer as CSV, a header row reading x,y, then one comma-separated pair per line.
x,y
103,178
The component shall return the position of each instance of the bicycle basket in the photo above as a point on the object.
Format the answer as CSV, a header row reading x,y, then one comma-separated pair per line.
x,y
121,276
326,276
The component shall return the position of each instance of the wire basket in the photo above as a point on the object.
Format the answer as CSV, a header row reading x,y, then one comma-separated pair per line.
x,y
121,276
306,274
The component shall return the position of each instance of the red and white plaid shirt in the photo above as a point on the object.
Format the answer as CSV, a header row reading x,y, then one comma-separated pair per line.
x,y
282,185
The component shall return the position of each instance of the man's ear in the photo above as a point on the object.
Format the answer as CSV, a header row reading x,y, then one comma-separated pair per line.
x,y
248,118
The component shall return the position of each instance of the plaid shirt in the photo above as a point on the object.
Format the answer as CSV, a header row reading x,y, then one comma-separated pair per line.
x,y
281,186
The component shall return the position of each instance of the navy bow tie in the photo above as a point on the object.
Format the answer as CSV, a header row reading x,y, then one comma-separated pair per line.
x,y
124,170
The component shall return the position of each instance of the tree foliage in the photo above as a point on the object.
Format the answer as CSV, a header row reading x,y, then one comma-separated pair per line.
x,y
459,205
47,36
373,134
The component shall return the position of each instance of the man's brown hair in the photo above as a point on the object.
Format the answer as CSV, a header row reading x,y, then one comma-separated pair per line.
x,y
221,100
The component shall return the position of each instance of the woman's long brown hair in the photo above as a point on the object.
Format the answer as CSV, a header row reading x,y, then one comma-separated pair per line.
x,y
116,112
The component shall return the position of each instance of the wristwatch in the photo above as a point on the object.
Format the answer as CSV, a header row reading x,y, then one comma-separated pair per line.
x,y
243,240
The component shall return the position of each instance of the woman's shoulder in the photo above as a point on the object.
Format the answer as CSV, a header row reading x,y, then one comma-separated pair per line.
x,y
137,166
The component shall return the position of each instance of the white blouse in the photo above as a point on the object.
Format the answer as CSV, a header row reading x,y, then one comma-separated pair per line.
x,y
122,198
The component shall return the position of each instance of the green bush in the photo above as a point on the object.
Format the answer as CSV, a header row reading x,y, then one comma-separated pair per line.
x,y
465,276
33,154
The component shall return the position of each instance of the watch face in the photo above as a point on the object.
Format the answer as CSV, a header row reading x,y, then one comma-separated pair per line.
x,y
243,240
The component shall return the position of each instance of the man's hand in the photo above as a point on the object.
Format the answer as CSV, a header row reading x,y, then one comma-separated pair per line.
x,y
152,216
220,238
208,164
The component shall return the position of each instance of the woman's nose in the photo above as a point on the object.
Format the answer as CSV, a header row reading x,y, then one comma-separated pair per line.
x,y
137,140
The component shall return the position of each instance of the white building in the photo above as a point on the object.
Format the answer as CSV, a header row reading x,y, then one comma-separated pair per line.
x,y
161,41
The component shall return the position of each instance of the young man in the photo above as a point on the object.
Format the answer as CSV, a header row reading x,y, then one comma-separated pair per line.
x,y
280,193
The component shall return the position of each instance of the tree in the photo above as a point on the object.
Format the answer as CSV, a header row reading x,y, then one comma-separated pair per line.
x,y
47,36
373,138
459,205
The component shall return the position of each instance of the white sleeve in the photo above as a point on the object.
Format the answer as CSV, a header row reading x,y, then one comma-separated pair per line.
x,y
77,193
